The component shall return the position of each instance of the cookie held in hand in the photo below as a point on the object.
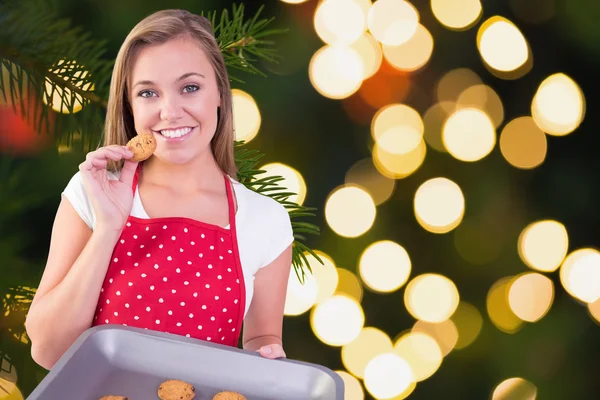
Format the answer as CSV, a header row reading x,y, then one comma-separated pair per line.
x,y
114,398
229,396
142,146
176,390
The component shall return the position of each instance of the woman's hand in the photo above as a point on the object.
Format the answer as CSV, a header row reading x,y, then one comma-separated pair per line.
x,y
111,199
272,351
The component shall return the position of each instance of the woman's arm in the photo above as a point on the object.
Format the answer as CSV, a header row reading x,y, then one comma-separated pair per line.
x,y
64,304
263,324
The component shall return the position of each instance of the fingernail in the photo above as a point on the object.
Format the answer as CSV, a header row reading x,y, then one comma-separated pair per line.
x,y
267,350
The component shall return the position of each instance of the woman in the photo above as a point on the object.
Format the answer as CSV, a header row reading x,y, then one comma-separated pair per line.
x,y
174,243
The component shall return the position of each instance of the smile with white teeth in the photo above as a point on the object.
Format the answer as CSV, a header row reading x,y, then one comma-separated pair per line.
x,y
175,133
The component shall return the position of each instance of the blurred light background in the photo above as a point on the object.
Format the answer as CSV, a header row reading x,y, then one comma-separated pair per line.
x,y
449,147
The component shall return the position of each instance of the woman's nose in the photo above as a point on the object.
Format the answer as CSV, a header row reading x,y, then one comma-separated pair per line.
x,y
170,109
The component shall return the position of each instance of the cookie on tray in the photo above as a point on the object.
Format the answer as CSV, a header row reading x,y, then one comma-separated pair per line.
x,y
229,396
176,390
114,398
142,146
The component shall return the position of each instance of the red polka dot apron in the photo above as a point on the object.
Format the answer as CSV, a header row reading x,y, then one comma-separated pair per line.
x,y
176,275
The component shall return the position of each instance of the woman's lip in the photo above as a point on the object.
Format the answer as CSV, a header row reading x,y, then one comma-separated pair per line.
x,y
175,139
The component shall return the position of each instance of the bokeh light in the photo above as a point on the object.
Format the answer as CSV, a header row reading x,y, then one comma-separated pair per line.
x,y
439,205
543,245
421,352
530,296
444,333
246,115
515,389
457,14
498,308
370,53
350,211
453,83
336,72
397,129
392,22
484,98
398,166
580,274
292,180
353,390
384,266
558,106
523,144
431,297
469,134
502,45
349,285
370,343
364,174
337,321
469,322
434,120
387,375
65,100
412,54
339,22
300,297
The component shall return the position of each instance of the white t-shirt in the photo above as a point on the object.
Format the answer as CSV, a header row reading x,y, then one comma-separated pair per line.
x,y
264,228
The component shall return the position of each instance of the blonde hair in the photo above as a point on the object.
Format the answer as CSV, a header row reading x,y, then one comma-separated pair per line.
x,y
159,28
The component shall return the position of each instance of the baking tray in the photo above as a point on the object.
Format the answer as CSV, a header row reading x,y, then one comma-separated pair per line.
x,y
132,362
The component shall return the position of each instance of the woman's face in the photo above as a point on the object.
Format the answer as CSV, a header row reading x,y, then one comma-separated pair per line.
x,y
174,95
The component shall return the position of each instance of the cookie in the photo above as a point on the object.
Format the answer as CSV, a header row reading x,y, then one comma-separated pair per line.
x,y
114,398
228,396
142,146
176,390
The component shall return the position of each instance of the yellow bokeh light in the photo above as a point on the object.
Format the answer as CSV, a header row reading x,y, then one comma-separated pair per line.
x,y
392,22
300,296
515,389
397,128
530,296
421,352
350,211
337,321
502,45
336,72
543,245
384,266
484,98
370,53
580,274
523,144
439,205
445,333
364,174
64,100
558,106
387,375
498,308
468,322
457,14
453,83
398,166
349,285
594,310
326,274
352,388
370,343
8,381
292,180
469,134
339,22
412,54
431,297
434,120
246,115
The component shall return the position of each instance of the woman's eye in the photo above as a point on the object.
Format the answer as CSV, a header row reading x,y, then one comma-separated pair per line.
x,y
146,93
190,88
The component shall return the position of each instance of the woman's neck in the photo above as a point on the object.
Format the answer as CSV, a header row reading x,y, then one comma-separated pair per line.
x,y
203,173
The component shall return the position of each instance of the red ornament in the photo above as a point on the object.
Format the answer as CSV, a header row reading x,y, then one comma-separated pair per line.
x,y
18,135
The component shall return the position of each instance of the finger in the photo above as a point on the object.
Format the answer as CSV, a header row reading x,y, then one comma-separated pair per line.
x,y
128,172
272,351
